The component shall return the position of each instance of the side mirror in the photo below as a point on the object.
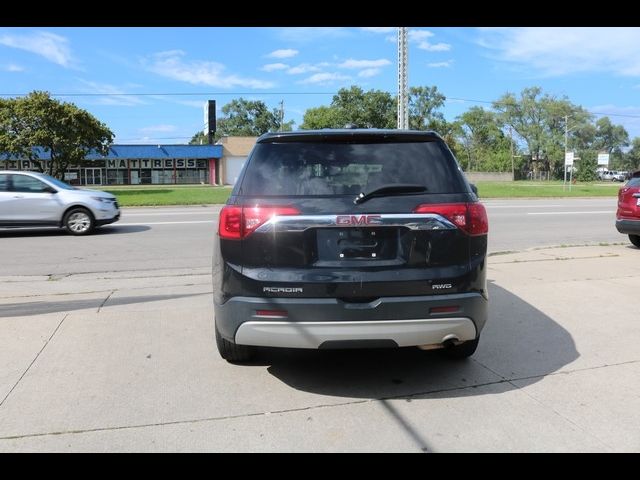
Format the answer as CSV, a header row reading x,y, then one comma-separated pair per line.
x,y
49,189
474,189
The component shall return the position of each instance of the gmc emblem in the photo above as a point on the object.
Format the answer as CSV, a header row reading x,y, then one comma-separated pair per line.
x,y
358,219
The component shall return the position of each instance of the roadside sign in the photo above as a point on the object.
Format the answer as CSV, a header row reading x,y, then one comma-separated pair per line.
x,y
603,159
568,158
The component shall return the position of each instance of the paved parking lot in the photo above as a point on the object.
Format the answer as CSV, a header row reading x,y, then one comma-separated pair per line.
x,y
124,360
108,346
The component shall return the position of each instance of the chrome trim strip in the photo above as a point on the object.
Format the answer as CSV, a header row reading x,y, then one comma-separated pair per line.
x,y
413,221
313,334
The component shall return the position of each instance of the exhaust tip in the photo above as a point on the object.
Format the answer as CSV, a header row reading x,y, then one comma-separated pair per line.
x,y
448,341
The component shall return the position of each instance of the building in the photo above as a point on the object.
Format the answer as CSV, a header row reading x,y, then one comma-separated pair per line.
x,y
139,165
235,151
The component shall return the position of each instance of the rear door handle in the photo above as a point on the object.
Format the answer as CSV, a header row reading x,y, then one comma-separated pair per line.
x,y
18,196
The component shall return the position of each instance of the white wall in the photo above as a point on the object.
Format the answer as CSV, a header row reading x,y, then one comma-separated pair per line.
x,y
233,165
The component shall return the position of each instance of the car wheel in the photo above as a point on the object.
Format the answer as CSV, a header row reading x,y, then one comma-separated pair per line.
x,y
635,239
78,221
464,350
232,352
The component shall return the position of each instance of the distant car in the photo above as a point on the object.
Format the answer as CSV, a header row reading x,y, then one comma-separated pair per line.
x,y
31,199
619,176
607,175
628,214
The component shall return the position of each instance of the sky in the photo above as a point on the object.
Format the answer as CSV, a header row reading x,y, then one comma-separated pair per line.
x,y
149,85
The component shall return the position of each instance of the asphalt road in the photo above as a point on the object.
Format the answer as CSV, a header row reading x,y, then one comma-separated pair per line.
x,y
107,345
182,237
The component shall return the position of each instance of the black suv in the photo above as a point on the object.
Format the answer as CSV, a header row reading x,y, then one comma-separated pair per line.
x,y
348,239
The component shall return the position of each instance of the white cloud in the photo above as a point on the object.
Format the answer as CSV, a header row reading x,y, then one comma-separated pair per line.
x,y
158,129
12,67
351,63
379,29
304,68
271,67
54,48
283,53
557,51
369,72
171,64
113,95
419,35
325,78
434,47
391,39
199,104
446,64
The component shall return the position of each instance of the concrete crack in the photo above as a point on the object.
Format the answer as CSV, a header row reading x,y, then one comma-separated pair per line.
x,y
106,300
34,360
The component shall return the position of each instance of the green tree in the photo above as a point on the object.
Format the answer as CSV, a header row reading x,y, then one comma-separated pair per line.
x,y
372,109
200,138
424,103
539,120
484,145
632,157
250,118
586,166
611,138
322,117
62,129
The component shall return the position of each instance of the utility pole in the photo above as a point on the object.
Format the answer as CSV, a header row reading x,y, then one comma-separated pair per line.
x,y
403,79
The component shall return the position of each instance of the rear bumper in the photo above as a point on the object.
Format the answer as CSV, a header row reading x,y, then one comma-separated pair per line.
x,y
628,227
332,323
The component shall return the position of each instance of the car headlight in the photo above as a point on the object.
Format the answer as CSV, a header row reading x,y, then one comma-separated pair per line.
x,y
102,199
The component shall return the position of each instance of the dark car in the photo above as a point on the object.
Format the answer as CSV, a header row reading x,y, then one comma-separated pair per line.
x,y
628,213
349,239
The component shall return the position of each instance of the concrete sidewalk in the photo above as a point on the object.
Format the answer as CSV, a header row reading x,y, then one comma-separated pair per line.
x,y
125,361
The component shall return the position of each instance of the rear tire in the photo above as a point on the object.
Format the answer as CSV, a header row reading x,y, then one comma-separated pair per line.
x,y
78,221
232,352
635,239
464,350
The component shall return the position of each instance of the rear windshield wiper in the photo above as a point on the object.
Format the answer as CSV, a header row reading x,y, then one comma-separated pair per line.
x,y
390,189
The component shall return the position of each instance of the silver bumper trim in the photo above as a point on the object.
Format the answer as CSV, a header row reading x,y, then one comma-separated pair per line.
x,y
313,334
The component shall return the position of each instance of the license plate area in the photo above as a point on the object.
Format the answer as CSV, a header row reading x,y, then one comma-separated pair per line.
x,y
377,244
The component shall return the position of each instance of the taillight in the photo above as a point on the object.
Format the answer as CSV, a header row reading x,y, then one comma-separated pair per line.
x,y
237,223
230,223
471,218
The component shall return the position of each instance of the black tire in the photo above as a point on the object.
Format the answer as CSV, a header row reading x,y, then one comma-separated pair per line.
x,y
232,352
635,239
464,350
79,221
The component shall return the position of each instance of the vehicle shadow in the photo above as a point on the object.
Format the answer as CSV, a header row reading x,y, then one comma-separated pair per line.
x,y
519,342
59,232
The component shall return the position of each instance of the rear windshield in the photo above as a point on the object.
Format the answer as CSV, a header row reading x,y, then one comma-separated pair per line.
x,y
349,168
